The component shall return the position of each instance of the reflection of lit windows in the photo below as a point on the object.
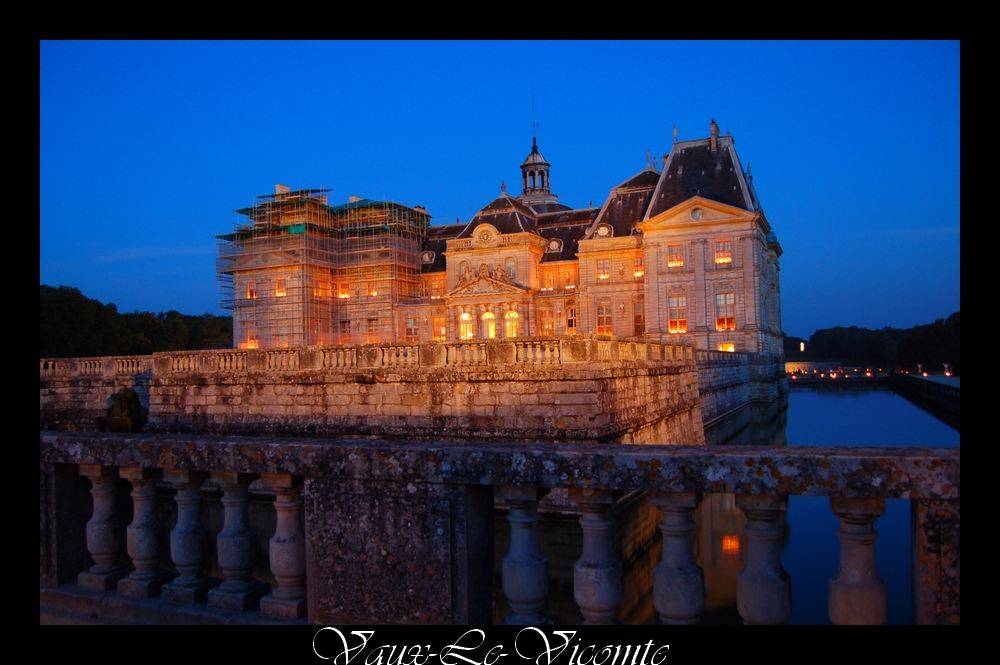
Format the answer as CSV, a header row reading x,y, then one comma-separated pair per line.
x,y
546,322
723,252
603,268
730,546
677,314
251,291
249,335
675,256
637,270
639,318
465,326
571,319
439,328
279,288
729,347
511,323
489,325
604,326
725,311
411,329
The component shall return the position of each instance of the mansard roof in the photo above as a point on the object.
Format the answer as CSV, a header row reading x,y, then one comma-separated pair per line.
x,y
546,208
692,169
627,203
436,241
506,213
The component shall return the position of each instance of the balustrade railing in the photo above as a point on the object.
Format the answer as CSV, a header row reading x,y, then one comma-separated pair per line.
x,y
675,478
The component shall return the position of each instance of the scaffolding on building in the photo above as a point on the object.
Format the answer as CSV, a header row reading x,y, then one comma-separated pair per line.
x,y
305,273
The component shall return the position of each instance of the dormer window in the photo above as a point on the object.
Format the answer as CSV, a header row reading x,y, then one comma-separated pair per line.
x,y
604,231
555,245
427,257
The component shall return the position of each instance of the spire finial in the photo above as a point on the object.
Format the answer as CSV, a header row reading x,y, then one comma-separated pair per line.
x,y
675,133
503,187
534,125
649,158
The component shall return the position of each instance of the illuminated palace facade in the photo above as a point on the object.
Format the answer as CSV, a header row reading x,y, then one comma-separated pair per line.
x,y
684,253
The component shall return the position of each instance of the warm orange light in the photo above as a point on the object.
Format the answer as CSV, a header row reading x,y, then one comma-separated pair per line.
x,y
868,374
280,292
730,546
571,286
925,373
344,295
675,263
727,346
794,377
250,344
723,259
603,276
833,375
947,373
638,273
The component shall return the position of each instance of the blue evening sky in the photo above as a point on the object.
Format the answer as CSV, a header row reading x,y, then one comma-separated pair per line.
x,y
148,147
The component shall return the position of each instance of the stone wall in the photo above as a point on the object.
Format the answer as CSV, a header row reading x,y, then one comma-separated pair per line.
x,y
729,381
575,388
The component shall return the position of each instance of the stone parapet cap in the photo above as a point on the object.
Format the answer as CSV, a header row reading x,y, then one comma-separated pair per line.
x,y
915,473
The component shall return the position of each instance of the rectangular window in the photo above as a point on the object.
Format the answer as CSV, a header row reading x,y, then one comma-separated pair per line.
x,y
603,268
637,269
568,281
675,256
727,346
279,288
251,291
571,320
725,311
677,314
548,280
723,252
371,331
546,316
412,334
250,340
639,318
439,328
343,291
604,324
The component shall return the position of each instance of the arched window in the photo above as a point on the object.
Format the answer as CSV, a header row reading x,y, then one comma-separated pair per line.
x,y
465,326
489,325
604,324
511,266
541,180
510,322
531,179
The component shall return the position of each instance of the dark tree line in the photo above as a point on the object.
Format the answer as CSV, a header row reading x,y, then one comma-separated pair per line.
x,y
931,345
75,325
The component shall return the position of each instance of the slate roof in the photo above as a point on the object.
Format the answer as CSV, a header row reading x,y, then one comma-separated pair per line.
x,y
626,204
436,241
506,213
693,170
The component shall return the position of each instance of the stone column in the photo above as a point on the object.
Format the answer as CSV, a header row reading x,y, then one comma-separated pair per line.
x,y
287,550
143,536
857,595
236,545
763,590
103,537
678,582
525,568
187,540
597,575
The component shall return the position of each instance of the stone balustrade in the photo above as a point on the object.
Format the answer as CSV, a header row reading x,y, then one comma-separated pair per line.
x,y
421,514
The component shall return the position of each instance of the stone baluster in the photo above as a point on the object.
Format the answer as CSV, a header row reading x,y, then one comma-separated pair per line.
x,y
525,568
236,546
597,574
678,582
187,540
103,533
287,550
857,595
763,590
143,536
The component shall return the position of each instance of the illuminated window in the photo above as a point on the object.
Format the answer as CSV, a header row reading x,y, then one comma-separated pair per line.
x,y
511,268
637,269
675,256
465,326
439,328
279,288
345,330
489,325
730,546
371,288
604,326
548,280
677,314
723,252
570,319
725,311
250,340
568,280
371,328
511,323
412,335
343,291
546,317
639,318
251,291
727,346
603,268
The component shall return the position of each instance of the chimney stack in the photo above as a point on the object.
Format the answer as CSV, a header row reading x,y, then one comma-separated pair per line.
x,y
715,136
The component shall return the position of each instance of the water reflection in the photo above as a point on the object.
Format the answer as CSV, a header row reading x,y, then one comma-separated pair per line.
x,y
857,415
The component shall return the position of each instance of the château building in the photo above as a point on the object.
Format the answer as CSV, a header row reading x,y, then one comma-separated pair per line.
x,y
684,253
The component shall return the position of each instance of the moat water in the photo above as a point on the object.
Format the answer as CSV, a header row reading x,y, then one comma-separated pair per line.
x,y
828,416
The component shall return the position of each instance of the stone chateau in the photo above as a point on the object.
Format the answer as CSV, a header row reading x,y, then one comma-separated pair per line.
x,y
685,254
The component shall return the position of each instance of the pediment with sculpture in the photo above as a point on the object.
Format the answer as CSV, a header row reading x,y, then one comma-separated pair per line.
x,y
477,284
